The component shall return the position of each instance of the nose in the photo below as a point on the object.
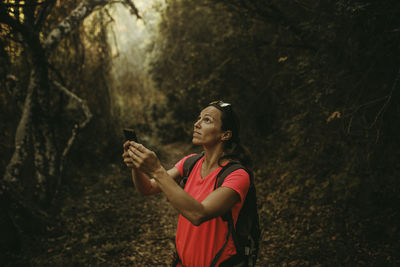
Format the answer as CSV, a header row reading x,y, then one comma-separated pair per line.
x,y
197,124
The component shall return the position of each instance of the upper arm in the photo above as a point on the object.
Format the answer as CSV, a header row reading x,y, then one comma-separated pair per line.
x,y
224,198
219,202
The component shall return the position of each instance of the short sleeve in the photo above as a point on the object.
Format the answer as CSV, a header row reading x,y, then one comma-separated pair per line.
x,y
239,181
179,164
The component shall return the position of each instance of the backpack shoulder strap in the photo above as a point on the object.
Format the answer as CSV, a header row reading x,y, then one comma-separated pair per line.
x,y
223,173
228,169
188,166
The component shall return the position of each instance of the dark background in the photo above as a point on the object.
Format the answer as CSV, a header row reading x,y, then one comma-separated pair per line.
x,y
316,86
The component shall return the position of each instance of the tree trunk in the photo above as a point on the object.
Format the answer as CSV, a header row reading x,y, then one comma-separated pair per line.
x,y
34,139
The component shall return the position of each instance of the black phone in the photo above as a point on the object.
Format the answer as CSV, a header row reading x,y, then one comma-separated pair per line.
x,y
130,135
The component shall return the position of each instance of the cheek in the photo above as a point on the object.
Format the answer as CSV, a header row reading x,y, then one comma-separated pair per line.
x,y
212,132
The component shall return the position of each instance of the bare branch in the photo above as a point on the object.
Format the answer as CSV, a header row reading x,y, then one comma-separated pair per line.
x,y
113,33
76,17
389,97
132,8
44,12
70,23
77,127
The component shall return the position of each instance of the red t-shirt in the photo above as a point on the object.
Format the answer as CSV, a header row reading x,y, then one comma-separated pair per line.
x,y
198,245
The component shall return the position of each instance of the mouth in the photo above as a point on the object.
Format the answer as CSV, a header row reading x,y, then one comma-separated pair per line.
x,y
196,133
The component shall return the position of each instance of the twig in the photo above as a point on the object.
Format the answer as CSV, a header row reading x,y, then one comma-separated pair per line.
x,y
75,130
44,12
112,32
367,104
77,127
389,97
133,8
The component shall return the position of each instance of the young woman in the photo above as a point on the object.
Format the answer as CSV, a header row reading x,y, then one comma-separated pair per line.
x,y
201,231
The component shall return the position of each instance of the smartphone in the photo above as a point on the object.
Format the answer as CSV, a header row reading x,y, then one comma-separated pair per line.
x,y
130,135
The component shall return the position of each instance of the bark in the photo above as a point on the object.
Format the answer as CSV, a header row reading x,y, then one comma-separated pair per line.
x,y
35,143
70,23
21,138
10,189
76,17
34,130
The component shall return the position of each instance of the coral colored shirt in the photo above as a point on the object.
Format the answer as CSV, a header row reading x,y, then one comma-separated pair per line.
x,y
198,245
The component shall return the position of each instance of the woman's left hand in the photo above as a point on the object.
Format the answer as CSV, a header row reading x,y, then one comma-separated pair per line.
x,y
143,158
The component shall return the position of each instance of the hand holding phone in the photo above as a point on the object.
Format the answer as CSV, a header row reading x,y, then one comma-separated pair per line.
x,y
130,135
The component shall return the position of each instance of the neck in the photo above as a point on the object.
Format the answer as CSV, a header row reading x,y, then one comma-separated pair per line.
x,y
212,155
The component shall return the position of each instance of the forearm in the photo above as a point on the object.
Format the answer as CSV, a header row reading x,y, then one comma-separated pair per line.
x,y
190,208
143,184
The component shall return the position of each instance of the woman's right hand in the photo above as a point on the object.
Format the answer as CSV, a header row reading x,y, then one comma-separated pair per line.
x,y
127,159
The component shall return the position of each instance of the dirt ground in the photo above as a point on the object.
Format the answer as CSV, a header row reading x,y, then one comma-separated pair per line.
x,y
103,221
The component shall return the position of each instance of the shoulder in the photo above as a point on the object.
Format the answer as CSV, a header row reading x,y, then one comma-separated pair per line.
x,y
180,163
238,175
238,180
235,169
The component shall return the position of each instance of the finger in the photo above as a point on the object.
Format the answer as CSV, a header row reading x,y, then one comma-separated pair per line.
x,y
128,162
136,151
139,147
134,157
132,143
125,154
126,144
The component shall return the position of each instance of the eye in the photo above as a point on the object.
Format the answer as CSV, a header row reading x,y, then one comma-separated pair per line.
x,y
197,120
208,120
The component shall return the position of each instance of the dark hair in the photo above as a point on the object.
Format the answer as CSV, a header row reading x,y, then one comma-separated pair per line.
x,y
233,149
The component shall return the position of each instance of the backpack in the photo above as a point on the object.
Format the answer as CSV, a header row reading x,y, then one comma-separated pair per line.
x,y
246,232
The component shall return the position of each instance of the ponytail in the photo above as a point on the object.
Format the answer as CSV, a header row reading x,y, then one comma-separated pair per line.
x,y
235,151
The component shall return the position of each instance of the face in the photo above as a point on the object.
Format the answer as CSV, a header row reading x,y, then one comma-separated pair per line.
x,y
207,129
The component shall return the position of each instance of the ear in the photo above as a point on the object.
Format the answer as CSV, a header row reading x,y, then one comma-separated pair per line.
x,y
226,135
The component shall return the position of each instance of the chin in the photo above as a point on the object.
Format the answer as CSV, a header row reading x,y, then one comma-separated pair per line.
x,y
196,142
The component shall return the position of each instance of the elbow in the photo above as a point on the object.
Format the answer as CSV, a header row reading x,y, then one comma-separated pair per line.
x,y
198,218
196,222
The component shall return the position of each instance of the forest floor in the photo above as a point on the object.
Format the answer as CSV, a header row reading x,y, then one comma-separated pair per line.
x,y
103,221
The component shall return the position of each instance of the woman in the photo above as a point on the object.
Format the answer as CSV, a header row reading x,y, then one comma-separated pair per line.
x,y
201,232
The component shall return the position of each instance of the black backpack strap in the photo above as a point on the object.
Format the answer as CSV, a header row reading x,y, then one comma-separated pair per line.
x,y
223,173
226,170
188,167
231,229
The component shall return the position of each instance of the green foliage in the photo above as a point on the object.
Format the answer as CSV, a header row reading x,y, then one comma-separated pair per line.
x,y
316,86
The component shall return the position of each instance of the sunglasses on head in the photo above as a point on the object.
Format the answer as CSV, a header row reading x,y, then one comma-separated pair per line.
x,y
220,104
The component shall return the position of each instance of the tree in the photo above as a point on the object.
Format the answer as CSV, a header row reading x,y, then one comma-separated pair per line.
x,y
32,175
317,87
